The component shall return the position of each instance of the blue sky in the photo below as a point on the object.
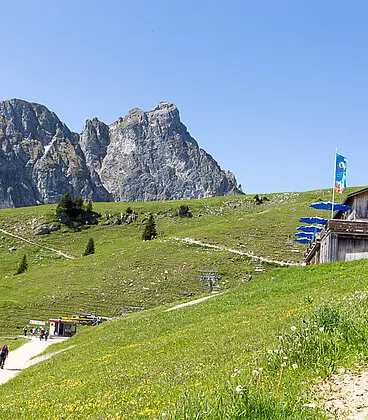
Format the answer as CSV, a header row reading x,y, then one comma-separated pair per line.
x,y
269,88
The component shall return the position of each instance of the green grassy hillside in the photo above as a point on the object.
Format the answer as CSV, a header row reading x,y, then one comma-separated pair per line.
x,y
219,359
126,271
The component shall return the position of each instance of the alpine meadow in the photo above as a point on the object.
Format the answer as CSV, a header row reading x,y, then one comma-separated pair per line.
x,y
257,349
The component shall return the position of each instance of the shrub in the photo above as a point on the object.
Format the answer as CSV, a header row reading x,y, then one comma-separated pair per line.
x,y
184,211
90,248
22,266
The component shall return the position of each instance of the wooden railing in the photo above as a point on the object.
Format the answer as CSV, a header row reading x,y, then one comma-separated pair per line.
x,y
347,226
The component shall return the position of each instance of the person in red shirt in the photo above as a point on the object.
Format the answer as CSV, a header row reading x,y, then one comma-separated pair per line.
x,y
4,350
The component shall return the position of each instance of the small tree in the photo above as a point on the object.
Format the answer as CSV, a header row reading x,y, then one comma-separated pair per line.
x,y
69,207
65,205
90,248
22,266
150,229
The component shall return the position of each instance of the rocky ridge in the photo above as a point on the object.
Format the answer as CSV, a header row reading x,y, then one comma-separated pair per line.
x,y
143,156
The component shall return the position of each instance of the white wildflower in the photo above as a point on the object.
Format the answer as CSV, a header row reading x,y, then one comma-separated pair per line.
x,y
321,329
283,364
255,372
309,405
295,366
269,351
240,389
293,328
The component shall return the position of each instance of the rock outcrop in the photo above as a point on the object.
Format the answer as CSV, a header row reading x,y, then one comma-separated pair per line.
x,y
143,156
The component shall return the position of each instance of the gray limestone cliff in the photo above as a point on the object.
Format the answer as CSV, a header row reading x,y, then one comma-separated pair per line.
x,y
143,156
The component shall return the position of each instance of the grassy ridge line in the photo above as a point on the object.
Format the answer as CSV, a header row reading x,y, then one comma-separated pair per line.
x,y
154,364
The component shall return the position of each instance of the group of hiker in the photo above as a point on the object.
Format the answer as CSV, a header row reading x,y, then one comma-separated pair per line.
x,y
4,349
40,332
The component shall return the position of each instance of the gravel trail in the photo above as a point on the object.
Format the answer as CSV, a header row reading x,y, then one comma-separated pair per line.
x,y
56,251
192,302
235,251
22,358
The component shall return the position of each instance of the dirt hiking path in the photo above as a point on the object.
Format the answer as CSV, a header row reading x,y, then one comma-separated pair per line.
x,y
235,251
56,251
345,395
21,358
192,302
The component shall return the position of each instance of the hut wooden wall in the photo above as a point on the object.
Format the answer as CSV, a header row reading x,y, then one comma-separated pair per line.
x,y
356,247
359,206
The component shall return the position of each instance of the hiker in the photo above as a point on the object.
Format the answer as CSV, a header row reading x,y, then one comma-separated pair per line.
x,y
3,355
31,331
42,334
25,330
35,332
46,335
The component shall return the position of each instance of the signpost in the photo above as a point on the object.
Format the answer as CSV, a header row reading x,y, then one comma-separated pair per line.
x,y
34,322
212,278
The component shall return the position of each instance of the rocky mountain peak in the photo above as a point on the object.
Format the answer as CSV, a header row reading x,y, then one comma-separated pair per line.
x,y
24,119
142,156
164,107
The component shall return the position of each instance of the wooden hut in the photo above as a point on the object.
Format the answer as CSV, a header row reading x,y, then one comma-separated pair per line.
x,y
345,237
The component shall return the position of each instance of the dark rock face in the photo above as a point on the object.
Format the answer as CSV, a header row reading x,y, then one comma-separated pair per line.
x,y
40,158
143,156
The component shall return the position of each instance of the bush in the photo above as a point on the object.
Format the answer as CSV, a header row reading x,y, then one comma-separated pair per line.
x,y
184,211
90,248
22,266
150,229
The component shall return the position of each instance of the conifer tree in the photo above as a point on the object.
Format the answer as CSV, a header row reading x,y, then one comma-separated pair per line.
x,y
150,229
65,205
22,266
90,248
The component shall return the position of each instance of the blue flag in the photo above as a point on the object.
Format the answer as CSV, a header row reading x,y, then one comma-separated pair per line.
x,y
340,178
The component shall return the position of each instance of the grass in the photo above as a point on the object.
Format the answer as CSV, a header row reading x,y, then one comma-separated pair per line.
x,y
207,361
211,360
126,271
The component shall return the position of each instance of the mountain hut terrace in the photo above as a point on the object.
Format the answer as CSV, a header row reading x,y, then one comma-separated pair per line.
x,y
345,236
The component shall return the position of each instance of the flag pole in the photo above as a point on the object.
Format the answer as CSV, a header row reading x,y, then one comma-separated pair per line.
x,y
333,188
